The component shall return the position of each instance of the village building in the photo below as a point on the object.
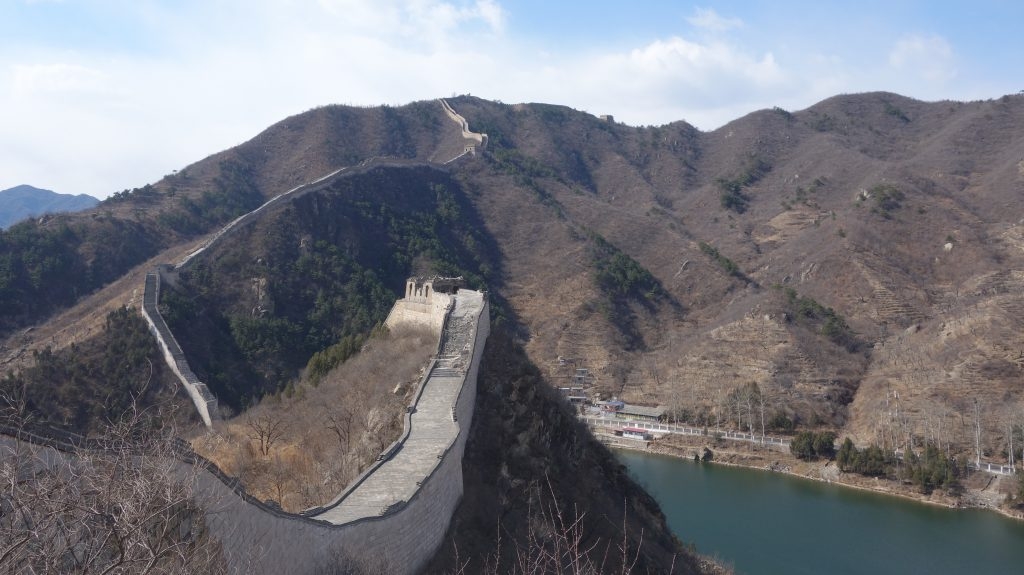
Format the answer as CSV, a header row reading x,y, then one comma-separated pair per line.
x,y
636,433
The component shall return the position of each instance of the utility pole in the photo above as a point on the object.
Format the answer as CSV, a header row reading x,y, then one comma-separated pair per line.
x,y
977,434
1009,433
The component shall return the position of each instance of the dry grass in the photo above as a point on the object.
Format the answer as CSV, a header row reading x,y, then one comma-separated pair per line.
x,y
302,448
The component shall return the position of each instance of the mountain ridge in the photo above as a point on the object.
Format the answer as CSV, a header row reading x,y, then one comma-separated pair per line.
x,y
864,251
25,201
658,194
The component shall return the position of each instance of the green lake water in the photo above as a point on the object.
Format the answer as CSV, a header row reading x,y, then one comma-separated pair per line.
x,y
762,522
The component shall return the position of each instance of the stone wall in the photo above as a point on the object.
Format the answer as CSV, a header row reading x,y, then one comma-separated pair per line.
x,y
261,539
401,541
204,400
474,140
257,538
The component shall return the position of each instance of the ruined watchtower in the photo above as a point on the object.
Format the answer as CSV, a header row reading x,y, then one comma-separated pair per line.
x,y
426,301
422,289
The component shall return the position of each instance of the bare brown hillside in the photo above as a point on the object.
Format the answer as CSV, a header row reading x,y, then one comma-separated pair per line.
x,y
861,261
897,214
893,212
902,216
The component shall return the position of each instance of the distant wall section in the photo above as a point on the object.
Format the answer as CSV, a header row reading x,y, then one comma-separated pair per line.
x,y
204,400
473,141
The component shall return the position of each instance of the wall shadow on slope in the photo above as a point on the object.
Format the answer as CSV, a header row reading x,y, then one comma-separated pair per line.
x,y
528,454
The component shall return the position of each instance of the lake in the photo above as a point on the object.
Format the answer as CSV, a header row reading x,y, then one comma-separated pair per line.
x,y
763,522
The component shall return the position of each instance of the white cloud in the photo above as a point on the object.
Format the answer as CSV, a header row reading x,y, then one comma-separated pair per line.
x,y
708,19
929,58
665,80
40,79
412,19
217,73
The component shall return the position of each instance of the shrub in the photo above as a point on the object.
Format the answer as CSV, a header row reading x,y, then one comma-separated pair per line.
x,y
888,198
732,197
808,311
812,445
727,265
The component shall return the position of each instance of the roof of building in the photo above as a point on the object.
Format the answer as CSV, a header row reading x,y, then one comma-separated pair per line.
x,y
642,410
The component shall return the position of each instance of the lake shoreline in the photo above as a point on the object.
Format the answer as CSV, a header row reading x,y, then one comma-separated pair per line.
x,y
804,470
779,523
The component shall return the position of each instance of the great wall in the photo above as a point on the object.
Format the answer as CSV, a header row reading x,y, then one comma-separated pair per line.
x,y
393,517
205,402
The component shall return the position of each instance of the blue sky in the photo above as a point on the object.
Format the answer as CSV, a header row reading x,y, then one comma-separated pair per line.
x,y
101,95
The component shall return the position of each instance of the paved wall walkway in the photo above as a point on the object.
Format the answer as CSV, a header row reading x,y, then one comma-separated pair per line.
x,y
434,425
201,396
395,533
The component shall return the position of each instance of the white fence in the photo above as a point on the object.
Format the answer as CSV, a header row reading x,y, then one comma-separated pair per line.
x,y
659,427
782,442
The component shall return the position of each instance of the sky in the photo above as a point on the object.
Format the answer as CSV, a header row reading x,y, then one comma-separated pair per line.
x,y
97,96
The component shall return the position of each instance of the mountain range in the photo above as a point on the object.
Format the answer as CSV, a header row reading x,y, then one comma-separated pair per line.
x,y
859,263
25,201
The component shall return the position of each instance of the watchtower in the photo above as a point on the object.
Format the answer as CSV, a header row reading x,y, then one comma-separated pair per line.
x,y
423,288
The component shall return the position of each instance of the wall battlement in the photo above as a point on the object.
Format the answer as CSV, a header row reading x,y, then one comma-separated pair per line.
x,y
394,517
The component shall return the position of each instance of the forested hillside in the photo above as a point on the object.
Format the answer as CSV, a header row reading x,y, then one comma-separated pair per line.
x,y
324,268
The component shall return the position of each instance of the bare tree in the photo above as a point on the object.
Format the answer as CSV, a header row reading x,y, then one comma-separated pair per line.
x,y
761,401
1009,439
750,394
557,541
281,477
119,504
265,429
339,420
